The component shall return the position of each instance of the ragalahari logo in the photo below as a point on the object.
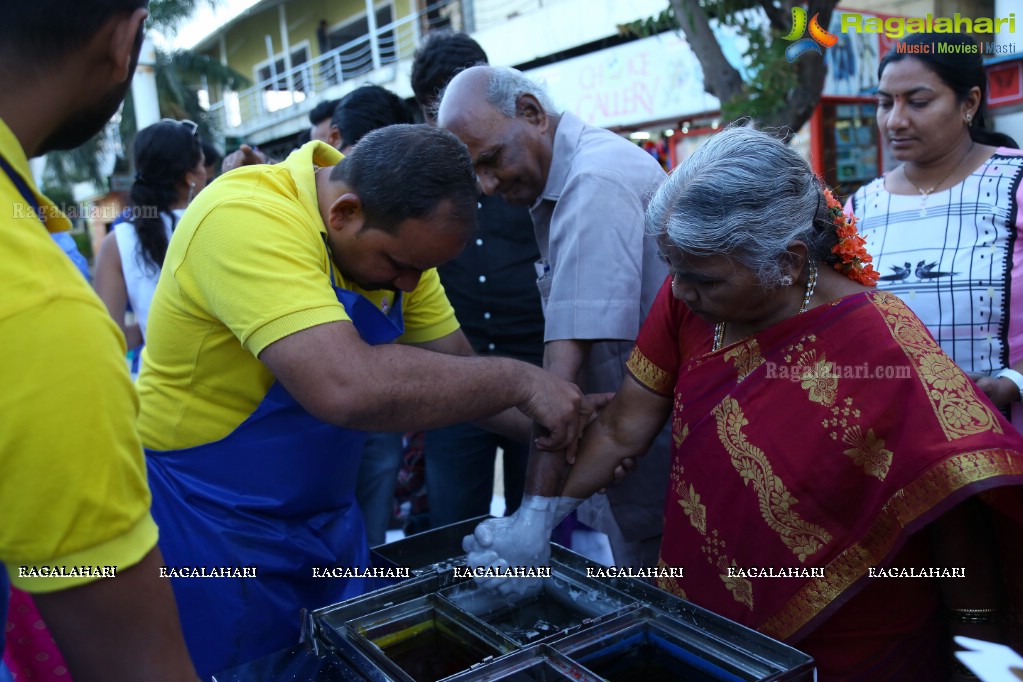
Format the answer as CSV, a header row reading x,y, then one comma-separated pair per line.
x,y
818,36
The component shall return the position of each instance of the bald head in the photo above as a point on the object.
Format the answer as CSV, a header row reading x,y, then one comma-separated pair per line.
x,y
464,94
508,124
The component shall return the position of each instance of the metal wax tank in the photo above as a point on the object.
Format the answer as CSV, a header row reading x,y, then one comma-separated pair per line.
x,y
436,626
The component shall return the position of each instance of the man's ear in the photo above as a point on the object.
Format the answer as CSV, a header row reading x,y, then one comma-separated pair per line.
x,y
346,213
334,137
528,107
125,41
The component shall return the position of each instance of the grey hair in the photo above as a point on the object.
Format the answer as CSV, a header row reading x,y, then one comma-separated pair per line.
x,y
507,84
747,195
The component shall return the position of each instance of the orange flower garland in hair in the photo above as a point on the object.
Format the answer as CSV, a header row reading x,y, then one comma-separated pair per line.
x,y
854,261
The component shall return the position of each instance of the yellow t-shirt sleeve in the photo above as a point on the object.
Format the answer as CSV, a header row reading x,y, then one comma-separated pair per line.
x,y
74,479
248,268
427,312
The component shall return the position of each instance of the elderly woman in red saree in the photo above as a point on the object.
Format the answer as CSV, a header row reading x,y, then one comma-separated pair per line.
x,y
824,445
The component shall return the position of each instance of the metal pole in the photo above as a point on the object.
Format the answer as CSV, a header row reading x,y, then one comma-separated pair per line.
x,y
143,88
289,78
371,23
273,68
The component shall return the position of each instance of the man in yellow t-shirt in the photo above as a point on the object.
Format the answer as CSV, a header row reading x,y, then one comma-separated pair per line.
x,y
72,475
269,352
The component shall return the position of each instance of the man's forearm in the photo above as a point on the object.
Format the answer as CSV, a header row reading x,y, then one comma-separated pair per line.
x,y
547,471
123,628
341,380
511,424
435,390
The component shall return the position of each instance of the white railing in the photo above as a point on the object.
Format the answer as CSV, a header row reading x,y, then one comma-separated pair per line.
x,y
267,101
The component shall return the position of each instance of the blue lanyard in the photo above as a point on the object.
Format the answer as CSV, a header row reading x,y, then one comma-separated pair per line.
x,y
26,192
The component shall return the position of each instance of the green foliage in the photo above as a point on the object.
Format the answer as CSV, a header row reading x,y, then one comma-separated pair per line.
x,y
195,65
81,164
178,76
651,26
725,10
58,194
168,15
770,77
84,242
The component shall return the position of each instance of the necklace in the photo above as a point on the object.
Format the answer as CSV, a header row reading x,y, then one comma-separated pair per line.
x,y
811,285
924,193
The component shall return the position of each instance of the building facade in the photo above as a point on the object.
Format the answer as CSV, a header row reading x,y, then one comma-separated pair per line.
x,y
301,52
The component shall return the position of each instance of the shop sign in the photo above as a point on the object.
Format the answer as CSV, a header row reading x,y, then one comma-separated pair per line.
x,y
1005,84
654,79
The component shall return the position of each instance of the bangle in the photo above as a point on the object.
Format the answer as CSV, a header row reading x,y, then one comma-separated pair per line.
x,y
974,616
1015,377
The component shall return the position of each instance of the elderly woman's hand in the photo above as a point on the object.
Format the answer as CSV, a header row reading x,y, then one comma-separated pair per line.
x,y
520,540
623,469
1001,392
595,402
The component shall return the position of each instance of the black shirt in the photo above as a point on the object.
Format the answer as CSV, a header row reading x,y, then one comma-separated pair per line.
x,y
492,284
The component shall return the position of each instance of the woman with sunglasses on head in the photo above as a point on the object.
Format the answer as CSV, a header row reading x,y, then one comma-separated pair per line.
x,y
169,172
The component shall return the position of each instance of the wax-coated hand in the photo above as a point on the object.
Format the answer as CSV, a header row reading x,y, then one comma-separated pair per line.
x,y
520,540
244,156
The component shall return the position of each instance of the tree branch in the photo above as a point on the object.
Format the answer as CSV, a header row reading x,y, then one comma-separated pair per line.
x,y
778,16
720,78
811,72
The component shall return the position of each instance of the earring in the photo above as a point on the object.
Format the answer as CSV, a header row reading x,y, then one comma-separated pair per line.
x,y
191,192
969,120
786,281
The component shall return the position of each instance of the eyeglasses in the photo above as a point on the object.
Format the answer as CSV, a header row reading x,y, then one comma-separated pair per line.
x,y
191,125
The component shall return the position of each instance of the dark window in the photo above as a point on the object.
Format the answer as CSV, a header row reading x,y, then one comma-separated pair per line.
x,y
298,57
850,145
357,57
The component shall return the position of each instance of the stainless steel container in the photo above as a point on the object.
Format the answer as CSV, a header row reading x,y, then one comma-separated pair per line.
x,y
439,625
537,663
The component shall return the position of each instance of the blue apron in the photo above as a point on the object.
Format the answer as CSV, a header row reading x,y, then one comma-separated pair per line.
x,y
277,494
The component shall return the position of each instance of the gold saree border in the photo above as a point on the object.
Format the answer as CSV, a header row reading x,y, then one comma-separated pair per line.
x,y
649,374
947,388
905,506
776,503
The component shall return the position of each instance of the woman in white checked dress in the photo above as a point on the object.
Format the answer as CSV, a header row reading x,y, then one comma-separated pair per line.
x,y
942,226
